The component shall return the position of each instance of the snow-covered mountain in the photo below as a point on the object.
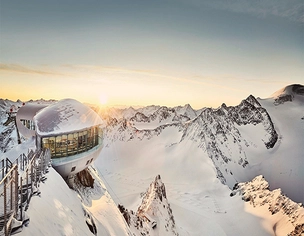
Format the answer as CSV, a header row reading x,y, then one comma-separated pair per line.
x,y
209,160
238,139
154,215
290,215
258,136
288,94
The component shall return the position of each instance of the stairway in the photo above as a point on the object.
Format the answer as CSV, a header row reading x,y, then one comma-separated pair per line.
x,y
9,120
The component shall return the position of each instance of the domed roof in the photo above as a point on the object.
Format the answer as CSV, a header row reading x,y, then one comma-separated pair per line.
x,y
29,110
65,116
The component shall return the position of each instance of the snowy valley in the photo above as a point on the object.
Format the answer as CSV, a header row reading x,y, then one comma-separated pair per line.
x,y
233,170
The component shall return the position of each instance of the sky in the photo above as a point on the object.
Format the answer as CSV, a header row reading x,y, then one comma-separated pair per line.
x,y
144,52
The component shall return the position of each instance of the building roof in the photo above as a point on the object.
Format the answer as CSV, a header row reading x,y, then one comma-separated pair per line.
x,y
29,110
65,116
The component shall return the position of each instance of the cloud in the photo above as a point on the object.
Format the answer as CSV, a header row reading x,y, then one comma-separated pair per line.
x,y
23,69
291,9
112,69
104,70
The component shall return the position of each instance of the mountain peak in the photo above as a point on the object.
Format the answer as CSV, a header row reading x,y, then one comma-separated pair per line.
x,y
155,207
155,193
258,194
288,94
293,89
153,212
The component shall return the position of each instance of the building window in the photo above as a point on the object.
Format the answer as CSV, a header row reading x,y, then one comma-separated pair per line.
x,y
29,124
73,143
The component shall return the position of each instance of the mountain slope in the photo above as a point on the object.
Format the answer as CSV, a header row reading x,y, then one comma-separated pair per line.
x,y
283,166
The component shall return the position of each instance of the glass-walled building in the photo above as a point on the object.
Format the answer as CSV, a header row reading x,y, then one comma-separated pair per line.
x,y
73,143
71,130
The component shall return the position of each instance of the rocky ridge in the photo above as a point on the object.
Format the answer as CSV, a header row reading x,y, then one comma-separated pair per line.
x,y
165,115
154,216
288,94
258,194
123,130
216,131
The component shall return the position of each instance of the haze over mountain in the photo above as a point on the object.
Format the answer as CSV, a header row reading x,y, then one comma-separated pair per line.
x,y
233,170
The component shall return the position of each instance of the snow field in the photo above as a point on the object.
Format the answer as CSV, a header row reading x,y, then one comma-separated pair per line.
x,y
200,203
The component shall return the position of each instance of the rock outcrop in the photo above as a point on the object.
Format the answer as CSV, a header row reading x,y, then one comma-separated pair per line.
x,y
85,178
258,194
154,212
218,131
288,94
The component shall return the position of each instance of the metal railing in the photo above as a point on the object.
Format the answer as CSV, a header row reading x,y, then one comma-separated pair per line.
x,y
19,182
8,199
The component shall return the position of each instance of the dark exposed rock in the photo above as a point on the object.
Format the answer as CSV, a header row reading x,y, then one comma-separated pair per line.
x,y
288,94
220,175
153,212
125,213
90,222
217,131
258,194
298,89
6,138
298,231
282,99
139,117
85,178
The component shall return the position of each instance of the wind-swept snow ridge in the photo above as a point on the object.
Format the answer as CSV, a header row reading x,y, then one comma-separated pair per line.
x,y
285,213
288,94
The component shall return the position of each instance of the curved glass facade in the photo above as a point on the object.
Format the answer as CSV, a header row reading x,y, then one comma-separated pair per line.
x,y
73,143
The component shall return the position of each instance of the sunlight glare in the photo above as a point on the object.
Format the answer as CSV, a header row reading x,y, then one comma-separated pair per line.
x,y
103,99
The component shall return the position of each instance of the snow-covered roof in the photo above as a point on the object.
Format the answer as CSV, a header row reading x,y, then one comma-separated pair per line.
x,y
65,116
28,111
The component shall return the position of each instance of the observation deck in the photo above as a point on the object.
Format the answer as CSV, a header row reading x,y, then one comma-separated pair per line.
x,y
71,130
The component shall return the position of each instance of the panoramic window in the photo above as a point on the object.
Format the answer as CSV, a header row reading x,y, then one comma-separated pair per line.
x,y
73,143
28,124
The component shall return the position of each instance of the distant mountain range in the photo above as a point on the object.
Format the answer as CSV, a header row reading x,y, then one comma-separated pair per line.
x,y
214,163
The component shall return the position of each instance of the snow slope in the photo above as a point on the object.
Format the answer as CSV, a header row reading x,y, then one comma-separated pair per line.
x,y
59,210
283,166
200,203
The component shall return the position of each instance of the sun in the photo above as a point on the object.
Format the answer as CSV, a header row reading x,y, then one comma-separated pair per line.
x,y
103,99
